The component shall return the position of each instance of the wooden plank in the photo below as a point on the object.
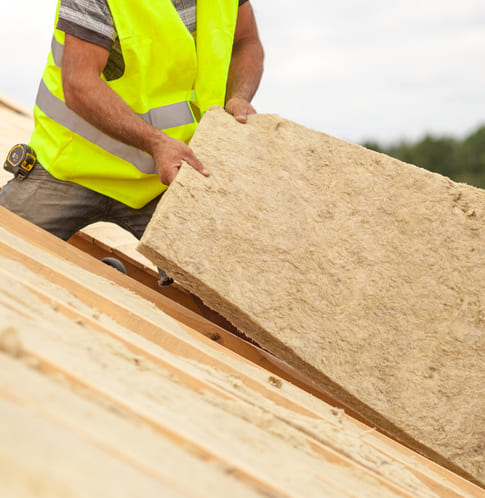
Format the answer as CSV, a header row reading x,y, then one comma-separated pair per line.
x,y
136,346
40,459
124,438
99,250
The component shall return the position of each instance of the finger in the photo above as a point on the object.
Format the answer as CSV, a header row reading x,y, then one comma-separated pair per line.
x,y
243,111
251,110
167,178
241,117
236,110
168,174
240,113
196,164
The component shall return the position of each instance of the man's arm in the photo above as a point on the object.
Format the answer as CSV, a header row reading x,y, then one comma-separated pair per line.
x,y
246,66
90,97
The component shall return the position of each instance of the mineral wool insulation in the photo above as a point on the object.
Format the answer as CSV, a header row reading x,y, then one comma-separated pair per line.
x,y
363,272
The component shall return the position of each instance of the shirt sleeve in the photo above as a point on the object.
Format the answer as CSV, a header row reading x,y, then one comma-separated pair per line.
x,y
89,20
241,2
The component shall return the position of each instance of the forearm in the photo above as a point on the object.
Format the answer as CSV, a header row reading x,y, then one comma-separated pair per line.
x,y
244,76
98,104
246,69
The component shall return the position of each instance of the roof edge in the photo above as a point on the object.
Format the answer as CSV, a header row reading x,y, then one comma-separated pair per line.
x,y
14,106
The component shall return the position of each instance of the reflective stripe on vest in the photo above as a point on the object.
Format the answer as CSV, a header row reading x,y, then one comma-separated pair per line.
x,y
164,117
57,50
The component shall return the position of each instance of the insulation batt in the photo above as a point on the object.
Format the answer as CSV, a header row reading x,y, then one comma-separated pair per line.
x,y
362,271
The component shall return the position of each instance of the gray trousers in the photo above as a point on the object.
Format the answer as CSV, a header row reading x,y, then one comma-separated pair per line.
x,y
63,208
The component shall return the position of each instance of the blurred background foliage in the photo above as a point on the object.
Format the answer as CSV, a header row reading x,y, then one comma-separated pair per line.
x,y
461,160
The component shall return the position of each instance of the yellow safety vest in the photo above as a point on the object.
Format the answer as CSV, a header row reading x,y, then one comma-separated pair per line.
x,y
164,74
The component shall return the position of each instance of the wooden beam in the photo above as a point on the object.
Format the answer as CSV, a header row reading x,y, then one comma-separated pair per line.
x,y
123,437
146,276
39,458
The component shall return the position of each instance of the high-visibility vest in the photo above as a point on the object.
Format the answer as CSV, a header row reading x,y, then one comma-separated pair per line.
x,y
166,73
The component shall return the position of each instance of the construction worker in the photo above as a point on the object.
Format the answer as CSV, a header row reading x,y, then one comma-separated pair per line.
x,y
123,90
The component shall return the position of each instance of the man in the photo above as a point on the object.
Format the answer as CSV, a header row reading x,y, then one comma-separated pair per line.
x,y
124,87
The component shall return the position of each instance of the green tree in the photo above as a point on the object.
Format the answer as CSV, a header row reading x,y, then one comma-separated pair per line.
x,y
472,158
462,161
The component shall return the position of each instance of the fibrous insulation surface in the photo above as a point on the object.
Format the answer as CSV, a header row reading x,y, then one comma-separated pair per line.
x,y
364,272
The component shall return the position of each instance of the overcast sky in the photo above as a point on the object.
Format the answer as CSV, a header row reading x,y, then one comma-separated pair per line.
x,y
380,69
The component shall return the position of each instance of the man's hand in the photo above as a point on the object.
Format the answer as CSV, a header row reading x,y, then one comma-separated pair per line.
x,y
240,108
90,97
168,154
